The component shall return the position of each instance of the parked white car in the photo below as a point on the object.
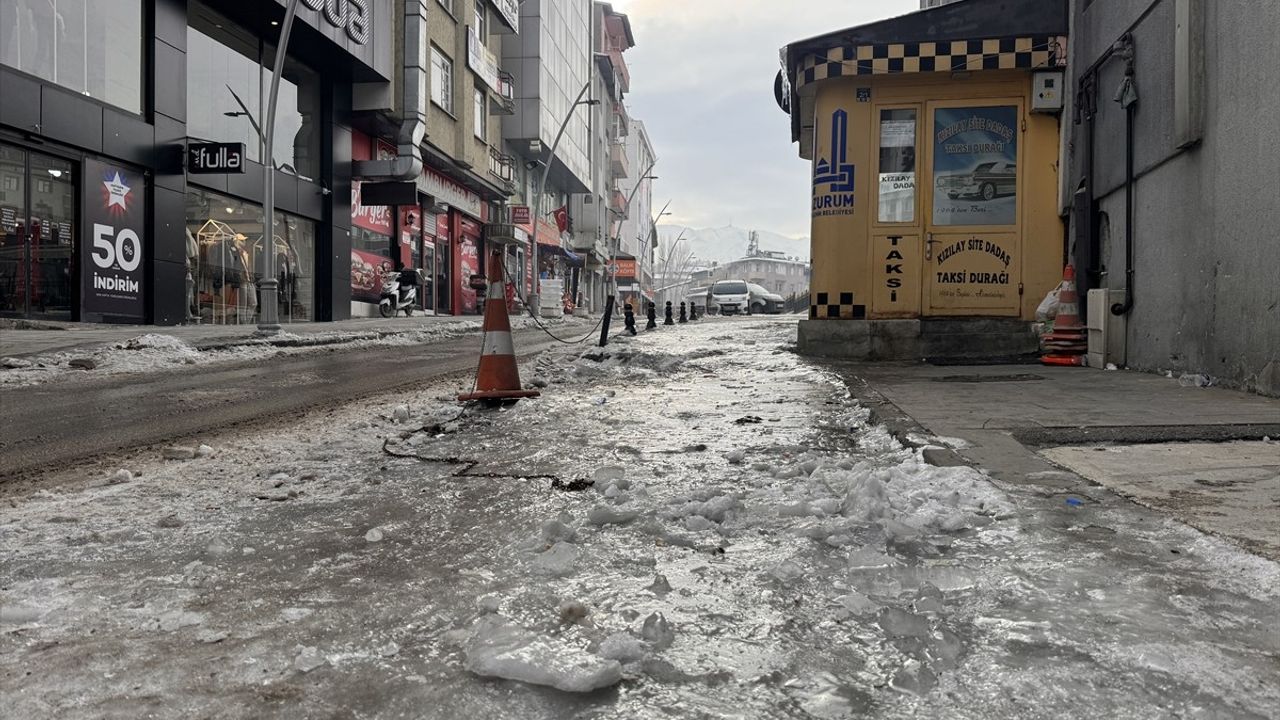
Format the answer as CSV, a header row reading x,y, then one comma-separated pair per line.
x,y
762,301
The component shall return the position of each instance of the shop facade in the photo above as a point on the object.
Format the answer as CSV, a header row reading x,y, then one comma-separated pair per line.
x,y
131,167
935,178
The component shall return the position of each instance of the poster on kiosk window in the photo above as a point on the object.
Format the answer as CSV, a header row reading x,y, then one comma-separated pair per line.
x,y
112,267
975,166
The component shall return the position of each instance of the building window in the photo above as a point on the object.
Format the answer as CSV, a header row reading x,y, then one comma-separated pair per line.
x,y
225,257
480,17
93,47
441,80
448,6
482,116
228,72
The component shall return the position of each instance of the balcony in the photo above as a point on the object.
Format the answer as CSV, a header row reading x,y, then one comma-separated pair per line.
x,y
621,120
502,167
619,165
620,69
618,203
502,101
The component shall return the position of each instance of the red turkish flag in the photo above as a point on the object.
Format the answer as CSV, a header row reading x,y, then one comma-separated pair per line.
x,y
562,218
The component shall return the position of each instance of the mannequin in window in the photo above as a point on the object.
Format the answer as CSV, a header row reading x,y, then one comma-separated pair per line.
x,y
193,269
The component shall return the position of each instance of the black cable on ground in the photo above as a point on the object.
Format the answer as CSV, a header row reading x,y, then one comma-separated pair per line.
x,y
538,322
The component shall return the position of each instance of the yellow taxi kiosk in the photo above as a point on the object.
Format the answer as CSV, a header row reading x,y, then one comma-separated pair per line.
x,y
935,144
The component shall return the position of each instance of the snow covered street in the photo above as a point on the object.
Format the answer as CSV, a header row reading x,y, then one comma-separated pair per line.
x,y
692,523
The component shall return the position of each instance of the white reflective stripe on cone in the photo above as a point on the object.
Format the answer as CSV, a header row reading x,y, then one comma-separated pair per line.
x,y
496,291
498,342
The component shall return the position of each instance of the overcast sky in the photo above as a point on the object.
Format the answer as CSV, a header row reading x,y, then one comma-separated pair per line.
x,y
702,81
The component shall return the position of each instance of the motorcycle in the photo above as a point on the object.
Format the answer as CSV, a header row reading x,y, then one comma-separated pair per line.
x,y
397,295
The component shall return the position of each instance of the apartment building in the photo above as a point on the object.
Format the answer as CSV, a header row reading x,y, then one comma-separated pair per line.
x,y
435,221
638,235
550,60
598,212
773,271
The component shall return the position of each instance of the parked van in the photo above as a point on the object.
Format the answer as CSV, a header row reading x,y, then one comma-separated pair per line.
x,y
729,297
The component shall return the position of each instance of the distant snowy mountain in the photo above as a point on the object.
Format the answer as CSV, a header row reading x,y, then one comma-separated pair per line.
x,y
730,243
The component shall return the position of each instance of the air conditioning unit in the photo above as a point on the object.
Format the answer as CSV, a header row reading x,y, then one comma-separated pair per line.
x,y
1106,331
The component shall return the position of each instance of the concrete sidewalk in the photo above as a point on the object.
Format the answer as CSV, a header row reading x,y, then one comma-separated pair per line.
x,y
26,338
1064,428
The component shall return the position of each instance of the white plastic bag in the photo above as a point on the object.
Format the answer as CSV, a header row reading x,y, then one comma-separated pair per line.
x,y
1048,309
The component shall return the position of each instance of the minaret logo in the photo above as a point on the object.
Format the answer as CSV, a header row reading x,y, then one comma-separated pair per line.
x,y
836,172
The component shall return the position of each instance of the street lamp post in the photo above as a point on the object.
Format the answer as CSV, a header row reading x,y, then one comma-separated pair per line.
x,y
541,187
666,262
268,312
653,229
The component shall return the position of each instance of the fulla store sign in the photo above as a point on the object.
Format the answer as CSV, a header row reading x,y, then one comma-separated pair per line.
x,y
112,275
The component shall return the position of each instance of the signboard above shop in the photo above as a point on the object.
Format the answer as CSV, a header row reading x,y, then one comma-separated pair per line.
x,y
215,158
361,28
481,59
510,12
449,192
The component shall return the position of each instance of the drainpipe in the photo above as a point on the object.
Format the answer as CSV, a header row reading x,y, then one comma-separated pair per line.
x,y
407,165
1127,96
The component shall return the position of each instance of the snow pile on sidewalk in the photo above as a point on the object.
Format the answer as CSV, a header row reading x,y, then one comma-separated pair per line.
x,y
141,354
154,352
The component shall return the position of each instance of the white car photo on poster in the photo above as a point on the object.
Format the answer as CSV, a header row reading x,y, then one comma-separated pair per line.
x,y
975,166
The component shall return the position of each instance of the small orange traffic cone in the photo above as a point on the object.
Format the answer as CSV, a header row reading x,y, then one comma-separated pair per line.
x,y
497,378
1068,343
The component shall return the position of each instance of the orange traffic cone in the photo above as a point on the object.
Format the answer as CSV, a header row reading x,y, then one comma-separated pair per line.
x,y
497,378
1068,343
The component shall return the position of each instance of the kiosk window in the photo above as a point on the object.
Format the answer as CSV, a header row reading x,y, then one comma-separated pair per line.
x,y
897,166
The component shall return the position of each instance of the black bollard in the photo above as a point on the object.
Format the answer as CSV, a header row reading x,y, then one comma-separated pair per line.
x,y
684,317
604,321
652,314
629,318
693,311
667,320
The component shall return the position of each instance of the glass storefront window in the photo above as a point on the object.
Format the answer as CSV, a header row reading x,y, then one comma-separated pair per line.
x,y
93,47
226,62
37,234
370,257
224,258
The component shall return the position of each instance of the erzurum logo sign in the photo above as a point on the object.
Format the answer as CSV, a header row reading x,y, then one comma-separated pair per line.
x,y
833,174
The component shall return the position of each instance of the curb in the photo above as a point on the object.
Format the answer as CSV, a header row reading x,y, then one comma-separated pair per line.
x,y
216,345
901,425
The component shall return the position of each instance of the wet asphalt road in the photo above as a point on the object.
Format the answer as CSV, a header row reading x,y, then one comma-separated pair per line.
x,y
772,554
55,424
